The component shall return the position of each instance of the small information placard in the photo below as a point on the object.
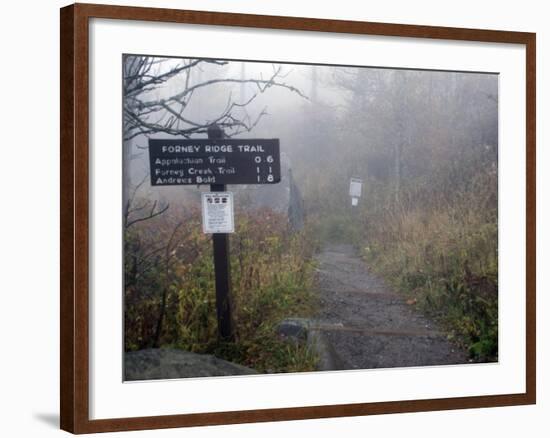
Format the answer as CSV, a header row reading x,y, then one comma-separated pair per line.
x,y
217,212
355,186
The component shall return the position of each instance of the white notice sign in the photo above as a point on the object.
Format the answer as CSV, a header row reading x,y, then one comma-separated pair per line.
x,y
355,185
217,212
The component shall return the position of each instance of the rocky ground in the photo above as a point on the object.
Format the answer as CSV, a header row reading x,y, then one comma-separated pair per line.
x,y
362,324
368,324
166,363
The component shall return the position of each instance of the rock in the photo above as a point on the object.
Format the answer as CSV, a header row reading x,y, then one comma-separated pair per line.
x,y
327,357
167,363
302,330
293,329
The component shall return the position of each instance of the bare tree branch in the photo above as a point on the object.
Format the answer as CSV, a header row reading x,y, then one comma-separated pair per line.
x,y
146,116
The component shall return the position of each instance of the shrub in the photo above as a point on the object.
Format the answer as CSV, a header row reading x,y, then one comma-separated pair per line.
x,y
170,293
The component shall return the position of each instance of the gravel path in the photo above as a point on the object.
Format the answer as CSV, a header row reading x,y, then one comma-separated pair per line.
x,y
369,325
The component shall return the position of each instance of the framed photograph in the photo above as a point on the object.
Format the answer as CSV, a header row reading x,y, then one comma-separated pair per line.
x,y
276,218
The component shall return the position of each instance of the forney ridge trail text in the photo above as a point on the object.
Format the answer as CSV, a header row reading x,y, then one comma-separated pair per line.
x,y
232,161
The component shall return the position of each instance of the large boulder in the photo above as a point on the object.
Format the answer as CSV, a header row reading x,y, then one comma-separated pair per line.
x,y
167,363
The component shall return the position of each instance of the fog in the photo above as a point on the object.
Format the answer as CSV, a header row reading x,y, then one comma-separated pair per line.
x,y
386,126
422,147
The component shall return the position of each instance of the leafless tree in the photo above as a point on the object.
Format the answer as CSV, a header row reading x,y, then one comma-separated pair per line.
x,y
162,96
146,112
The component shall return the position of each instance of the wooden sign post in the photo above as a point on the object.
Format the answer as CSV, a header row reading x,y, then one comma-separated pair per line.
x,y
217,161
222,265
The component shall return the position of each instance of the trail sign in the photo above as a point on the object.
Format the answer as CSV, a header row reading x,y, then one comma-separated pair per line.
x,y
217,212
355,186
214,161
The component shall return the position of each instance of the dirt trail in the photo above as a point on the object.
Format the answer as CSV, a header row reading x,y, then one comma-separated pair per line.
x,y
368,324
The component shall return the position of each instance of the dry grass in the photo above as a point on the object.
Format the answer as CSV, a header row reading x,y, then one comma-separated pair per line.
x,y
443,251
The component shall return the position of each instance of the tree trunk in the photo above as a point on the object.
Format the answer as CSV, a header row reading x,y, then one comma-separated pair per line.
x,y
398,168
158,330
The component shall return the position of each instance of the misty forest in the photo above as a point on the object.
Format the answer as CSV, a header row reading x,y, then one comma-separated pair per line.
x,y
405,274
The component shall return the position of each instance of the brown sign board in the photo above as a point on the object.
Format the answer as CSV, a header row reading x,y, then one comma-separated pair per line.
x,y
220,161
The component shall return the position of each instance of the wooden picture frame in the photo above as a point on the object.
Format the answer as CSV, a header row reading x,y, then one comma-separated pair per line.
x,y
75,225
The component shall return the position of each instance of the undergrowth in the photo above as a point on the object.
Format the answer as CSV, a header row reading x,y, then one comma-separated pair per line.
x,y
170,294
442,252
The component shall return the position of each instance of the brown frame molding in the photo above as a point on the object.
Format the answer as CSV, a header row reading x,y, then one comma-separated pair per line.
x,y
74,216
